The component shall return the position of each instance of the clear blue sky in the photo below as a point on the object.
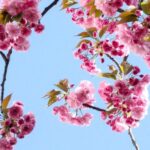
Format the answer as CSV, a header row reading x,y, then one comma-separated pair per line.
x,y
33,73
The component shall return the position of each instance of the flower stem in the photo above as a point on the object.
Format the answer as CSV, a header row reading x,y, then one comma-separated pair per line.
x,y
133,140
117,64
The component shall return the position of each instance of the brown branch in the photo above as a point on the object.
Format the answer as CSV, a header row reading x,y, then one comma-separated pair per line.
x,y
133,139
117,64
7,60
93,107
49,7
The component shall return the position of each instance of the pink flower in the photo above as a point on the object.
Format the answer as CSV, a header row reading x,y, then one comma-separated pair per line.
x,y
83,3
21,44
39,28
133,38
138,113
13,7
32,15
15,112
5,145
84,94
103,90
108,8
119,125
12,29
25,31
27,128
12,140
126,101
29,118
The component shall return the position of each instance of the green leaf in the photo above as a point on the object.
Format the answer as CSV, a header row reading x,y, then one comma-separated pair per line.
x,y
90,3
127,13
4,17
6,101
52,100
67,3
82,41
111,111
126,67
84,34
52,95
94,11
63,85
147,38
146,7
102,31
98,13
109,75
129,18
91,30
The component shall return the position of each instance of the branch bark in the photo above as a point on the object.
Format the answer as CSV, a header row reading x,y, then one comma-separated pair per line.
x,y
49,7
7,60
133,139
93,107
3,56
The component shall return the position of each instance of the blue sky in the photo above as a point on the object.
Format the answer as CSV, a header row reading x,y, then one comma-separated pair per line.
x,y
33,73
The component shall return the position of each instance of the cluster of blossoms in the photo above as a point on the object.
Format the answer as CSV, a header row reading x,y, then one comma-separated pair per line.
x,y
17,19
127,101
84,19
88,52
15,125
71,111
109,8
133,39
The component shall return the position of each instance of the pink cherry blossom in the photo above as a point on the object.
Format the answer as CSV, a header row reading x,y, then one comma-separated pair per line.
x,y
5,145
75,100
128,101
15,112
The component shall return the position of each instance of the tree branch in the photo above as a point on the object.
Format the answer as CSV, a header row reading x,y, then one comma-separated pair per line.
x,y
133,139
3,56
93,107
7,60
111,58
49,7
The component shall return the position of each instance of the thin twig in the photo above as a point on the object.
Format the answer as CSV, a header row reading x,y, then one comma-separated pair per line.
x,y
117,64
93,107
120,10
3,56
133,139
5,74
49,7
